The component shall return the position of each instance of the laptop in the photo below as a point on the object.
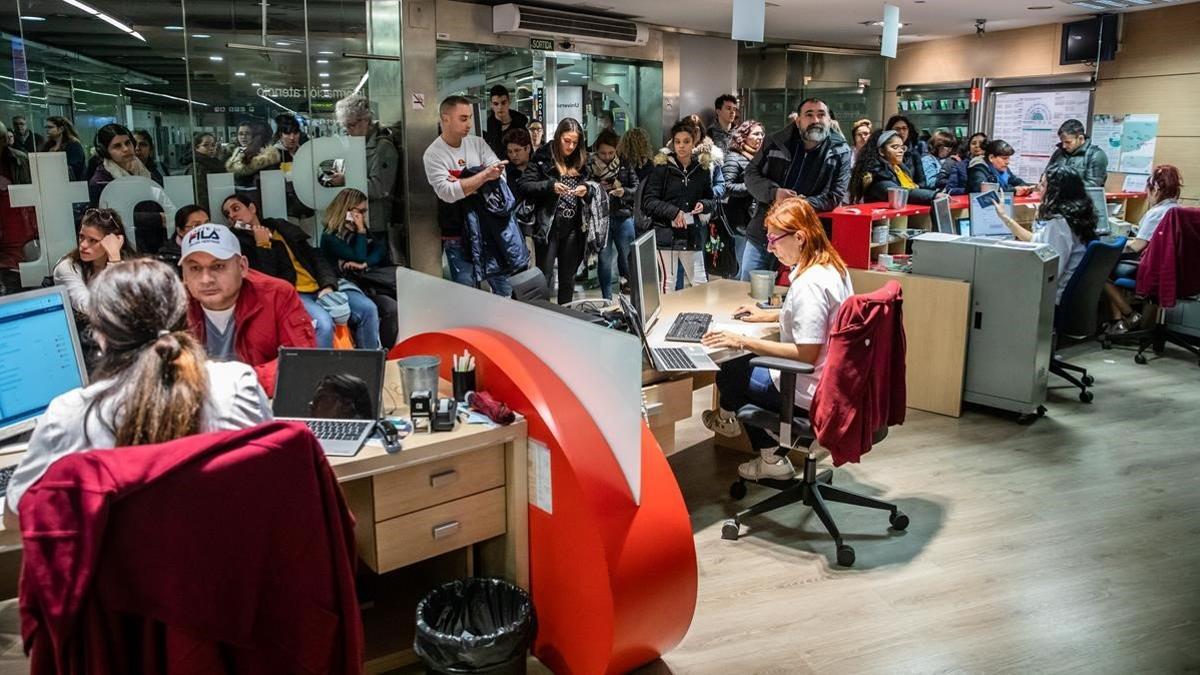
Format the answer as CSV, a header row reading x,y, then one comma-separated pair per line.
x,y
337,393
942,219
667,359
1102,211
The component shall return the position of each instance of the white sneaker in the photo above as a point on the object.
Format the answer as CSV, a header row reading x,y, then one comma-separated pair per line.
x,y
726,426
759,468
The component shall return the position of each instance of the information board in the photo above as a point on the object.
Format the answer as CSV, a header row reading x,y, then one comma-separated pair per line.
x,y
1029,121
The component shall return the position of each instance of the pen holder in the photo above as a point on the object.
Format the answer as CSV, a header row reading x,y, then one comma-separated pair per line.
x,y
463,382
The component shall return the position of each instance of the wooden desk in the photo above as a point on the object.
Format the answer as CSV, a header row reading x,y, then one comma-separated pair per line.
x,y
444,503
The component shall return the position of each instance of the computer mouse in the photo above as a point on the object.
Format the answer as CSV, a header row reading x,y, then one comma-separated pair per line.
x,y
742,314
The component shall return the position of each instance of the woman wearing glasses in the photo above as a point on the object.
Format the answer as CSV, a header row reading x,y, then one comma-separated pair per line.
x,y
820,284
879,167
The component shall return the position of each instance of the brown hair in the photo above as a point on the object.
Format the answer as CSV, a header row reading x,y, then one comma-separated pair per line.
x,y
635,149
577,159
797,215
159,383
108,222
335,213
1165,180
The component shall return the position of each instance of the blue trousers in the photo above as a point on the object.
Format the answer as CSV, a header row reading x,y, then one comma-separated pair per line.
x,y
620,241
364,320
460,269
741,384
756,257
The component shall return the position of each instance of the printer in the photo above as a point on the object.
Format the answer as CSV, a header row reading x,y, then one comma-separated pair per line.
x,y
1011,321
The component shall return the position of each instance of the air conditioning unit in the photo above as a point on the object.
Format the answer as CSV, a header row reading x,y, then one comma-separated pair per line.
x,y
524,20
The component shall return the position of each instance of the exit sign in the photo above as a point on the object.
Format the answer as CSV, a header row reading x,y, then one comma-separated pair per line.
x,y
543,44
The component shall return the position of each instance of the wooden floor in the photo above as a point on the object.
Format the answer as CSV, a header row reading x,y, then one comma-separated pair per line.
x,y
1067,546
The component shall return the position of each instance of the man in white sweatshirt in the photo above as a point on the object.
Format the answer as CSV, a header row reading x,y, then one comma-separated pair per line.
x,y
445,158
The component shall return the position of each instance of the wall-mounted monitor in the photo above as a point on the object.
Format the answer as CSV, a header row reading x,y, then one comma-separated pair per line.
x,y
1090,40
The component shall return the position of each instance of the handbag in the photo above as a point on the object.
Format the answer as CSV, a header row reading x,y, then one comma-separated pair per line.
x,y
720,259
375,280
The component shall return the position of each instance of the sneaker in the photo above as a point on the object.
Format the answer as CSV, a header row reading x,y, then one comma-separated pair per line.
x,y
760,468
1118,328
726,426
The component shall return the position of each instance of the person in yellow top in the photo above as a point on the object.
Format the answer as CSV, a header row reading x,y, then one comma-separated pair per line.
x,y
879,166
277,247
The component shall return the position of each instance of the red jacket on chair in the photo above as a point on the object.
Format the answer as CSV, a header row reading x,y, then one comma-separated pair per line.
x,y
862,387
1170,267
230,552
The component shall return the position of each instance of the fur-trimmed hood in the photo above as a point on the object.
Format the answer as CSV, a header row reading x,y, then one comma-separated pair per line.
x,y
266,158
706,159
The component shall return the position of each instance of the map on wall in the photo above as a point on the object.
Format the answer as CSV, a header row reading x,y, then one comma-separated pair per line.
x,y
1029,121
1139,136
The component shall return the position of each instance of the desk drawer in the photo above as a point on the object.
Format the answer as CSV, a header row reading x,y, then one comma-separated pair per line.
x,y
414,537
425,485
669,402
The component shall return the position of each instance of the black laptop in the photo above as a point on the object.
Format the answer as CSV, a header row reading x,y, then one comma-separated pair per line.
x,y
336,392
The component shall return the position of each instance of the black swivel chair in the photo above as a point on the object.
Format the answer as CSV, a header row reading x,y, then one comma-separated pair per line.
x,y
1077,315
529,285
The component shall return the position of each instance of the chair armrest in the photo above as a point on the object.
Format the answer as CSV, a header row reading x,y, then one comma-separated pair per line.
x,y
782,365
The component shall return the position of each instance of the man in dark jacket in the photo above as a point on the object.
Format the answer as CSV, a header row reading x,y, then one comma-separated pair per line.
x,y
726,106
501,119
280,249
1078,153
805,160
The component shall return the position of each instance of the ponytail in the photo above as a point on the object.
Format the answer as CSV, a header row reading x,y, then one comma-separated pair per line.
x,y
165,390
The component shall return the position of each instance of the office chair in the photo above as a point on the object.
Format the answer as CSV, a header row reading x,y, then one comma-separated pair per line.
x,y
1077,315
1160,333
529,285
876,402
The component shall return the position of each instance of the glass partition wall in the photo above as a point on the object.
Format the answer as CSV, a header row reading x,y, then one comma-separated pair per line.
x,y
774,80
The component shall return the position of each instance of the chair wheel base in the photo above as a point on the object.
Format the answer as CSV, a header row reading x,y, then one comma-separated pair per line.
x,y
1086,396
1088,380
899,521
845,556
737,490
730,531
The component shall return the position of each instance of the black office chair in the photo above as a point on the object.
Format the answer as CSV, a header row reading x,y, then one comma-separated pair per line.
x,y
812,489
529,285
1077,316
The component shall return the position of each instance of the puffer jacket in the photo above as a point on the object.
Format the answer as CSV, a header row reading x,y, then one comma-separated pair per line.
x,y
490,232
671,189
881,177
984,172
537,184
739,203
1088,161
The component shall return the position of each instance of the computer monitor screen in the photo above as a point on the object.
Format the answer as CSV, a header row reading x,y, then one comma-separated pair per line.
x,y
1098,201
40,356
329,383
644,287
942,220
985,222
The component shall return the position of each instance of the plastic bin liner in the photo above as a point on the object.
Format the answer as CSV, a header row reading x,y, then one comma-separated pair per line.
x,y
475,626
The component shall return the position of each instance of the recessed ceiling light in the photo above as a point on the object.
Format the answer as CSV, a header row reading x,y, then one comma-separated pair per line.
x,y
201,36
1037,7
239,74
283,44
33,18
325,51
322,74
322,60
880,23
172,27
255,84
216,58
564,82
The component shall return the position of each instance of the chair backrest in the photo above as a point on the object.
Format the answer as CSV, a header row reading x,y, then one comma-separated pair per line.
x,y
1077,316
529,285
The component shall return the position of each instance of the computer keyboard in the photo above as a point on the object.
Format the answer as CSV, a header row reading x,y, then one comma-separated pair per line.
x,y
689,327
337,430
675,357
5,476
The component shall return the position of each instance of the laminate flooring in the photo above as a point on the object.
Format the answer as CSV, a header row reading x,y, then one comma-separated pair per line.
x,y
1066,546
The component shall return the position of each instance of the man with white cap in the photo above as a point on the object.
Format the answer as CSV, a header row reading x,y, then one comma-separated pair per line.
x,y
237,313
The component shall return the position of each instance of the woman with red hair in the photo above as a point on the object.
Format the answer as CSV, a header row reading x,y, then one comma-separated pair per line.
x,y
1162,194
820,283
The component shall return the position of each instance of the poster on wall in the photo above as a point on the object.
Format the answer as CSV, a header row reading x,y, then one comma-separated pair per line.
x,y
1139,136
1029,121
1106,135
570,104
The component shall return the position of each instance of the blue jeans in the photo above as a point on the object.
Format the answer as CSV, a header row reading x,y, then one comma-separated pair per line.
x,y
756,257
461,272
741,384
620,240
364,320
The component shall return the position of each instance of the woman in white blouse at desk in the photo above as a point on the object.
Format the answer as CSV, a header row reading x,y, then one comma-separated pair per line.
x,y
820,283
1066,221
153,383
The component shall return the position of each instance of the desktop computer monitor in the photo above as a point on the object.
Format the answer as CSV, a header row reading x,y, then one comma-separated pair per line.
x,y
644,285
1098,201
942,220
40,356
985,222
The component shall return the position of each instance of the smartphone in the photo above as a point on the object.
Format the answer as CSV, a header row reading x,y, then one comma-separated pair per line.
x,y
349,218
988,198
688,218
766,304
239,225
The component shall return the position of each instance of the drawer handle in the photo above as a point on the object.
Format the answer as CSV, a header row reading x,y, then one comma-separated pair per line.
x,y
653,408
446,529
443,479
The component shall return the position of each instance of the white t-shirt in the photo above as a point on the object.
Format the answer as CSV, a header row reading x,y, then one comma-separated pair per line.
x,y
444,164
220,317
1153,216
235,401
807,316
1058,235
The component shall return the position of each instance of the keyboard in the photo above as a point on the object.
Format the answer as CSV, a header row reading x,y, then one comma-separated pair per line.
x,y
337,430
689,327
5,476
674,357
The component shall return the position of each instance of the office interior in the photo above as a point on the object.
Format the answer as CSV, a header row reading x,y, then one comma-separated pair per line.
x,y
1044,530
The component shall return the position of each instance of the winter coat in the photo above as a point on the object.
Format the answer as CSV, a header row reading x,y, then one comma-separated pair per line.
x,y
739,203
383,164
957,184
671,189
276,262
984,172
881,177
769,168
537,183
619,208
490,231
246,180
1088,160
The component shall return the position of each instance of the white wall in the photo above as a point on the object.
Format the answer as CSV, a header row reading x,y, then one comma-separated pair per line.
x,y
707,69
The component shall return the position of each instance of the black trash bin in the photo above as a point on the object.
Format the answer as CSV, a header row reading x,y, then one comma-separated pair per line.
x,y
475,626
